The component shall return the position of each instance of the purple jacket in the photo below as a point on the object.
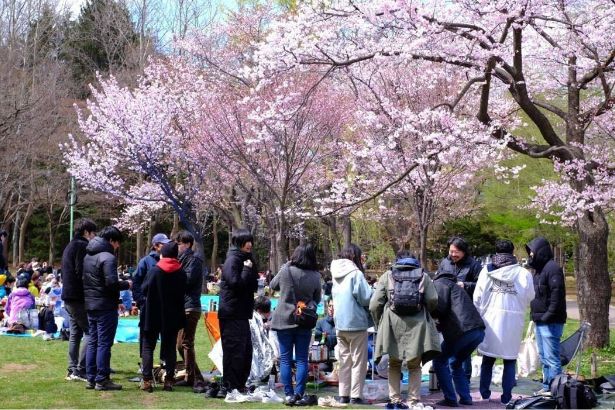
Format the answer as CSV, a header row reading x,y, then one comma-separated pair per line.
x,y
18,300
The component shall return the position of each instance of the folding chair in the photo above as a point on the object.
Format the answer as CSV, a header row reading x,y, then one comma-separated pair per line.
x,y
569,348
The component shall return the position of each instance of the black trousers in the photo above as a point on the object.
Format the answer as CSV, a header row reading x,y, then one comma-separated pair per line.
x,y
236,353
167,352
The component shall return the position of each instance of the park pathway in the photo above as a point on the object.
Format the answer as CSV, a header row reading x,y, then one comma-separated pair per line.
x,y
572,309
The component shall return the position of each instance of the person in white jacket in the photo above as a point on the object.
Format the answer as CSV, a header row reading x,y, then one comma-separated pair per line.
x,y
351,294
503,293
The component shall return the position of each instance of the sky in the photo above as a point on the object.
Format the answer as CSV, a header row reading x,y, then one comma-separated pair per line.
x,y
75,5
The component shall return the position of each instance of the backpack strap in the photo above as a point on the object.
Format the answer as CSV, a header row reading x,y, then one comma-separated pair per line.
x,y
575,386
561,393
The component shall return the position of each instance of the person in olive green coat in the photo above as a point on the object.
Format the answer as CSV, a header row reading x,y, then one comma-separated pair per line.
x,y
411,337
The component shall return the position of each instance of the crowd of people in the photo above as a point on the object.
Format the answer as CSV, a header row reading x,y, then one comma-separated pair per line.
x,y
417,317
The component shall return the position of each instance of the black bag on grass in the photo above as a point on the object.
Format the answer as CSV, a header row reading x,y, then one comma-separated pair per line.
x,y
571,393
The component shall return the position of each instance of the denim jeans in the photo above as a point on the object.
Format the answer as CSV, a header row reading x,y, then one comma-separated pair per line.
x,y
103,325
548,339
78,339
508,378
457,352
299,339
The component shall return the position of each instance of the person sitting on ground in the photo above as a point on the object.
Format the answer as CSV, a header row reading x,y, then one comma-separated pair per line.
x,y
164,289
263,357
19,300
502,295
35,284
405,331
324,332
8,285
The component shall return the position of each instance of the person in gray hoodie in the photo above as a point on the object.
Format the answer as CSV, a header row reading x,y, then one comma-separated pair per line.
x,y
351,293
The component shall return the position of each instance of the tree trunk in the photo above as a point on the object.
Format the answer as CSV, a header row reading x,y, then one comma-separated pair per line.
x,y
214,248
15,239
347,231
273,251
281,241
51,243
22,232
175,228
423,231
593,283
139,246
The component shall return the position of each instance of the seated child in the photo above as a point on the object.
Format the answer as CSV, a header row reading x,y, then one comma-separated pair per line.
x,y
18,301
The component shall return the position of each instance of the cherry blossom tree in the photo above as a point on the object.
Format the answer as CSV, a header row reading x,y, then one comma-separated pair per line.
x,y
554,59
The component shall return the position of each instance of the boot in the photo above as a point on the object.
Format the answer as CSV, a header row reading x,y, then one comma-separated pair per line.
x,y
147,386
168,383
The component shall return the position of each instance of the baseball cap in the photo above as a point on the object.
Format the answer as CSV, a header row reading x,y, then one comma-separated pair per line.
x,y
160,238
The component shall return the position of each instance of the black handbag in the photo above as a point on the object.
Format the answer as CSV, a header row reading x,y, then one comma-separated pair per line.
x,y
305,316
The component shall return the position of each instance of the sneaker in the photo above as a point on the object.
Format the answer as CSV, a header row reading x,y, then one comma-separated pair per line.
x,y
107,385
212,391
307,400
254,397
235,396
343,399
400,405
68,375
90,385
357,400
466,402
446,403
78,377
271,397
198,388
290,400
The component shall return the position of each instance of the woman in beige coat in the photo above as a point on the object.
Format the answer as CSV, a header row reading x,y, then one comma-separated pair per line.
x,y
411,337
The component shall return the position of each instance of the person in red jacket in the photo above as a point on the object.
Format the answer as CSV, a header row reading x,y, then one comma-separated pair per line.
x,y
164,289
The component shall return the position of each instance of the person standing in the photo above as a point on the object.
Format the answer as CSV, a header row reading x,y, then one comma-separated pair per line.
x,y
164,290
466,269
351,295
143,267
297,281
72,295
502,295
463,330
193,267
101,290
410,337
237,287
548,309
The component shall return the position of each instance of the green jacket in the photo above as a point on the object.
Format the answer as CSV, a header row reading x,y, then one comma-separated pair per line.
x,y
405,337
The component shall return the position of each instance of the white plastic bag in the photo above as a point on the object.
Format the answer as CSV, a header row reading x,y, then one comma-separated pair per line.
x,y
528,354
216,355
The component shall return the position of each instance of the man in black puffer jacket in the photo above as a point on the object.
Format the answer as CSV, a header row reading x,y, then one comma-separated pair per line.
x,y
72,295
548,309
237,287
463,330
101,288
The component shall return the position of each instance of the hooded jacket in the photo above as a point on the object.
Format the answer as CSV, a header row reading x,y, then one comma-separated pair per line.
x,y
549,304
502,297
351,295
455,311
304,286
19,299
237,286
72,269
466,271
193,266
101,284
164,289
145,264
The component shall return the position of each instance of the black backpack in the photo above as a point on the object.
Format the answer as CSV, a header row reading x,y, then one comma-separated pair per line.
x,y
406,290
570,393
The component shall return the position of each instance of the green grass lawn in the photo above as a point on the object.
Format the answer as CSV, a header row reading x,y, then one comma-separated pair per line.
x,y
32,376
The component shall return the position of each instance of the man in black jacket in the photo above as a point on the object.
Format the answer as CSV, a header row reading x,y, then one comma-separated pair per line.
x,y
193,266
548,309
101,289
72,295
237,287
463,330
